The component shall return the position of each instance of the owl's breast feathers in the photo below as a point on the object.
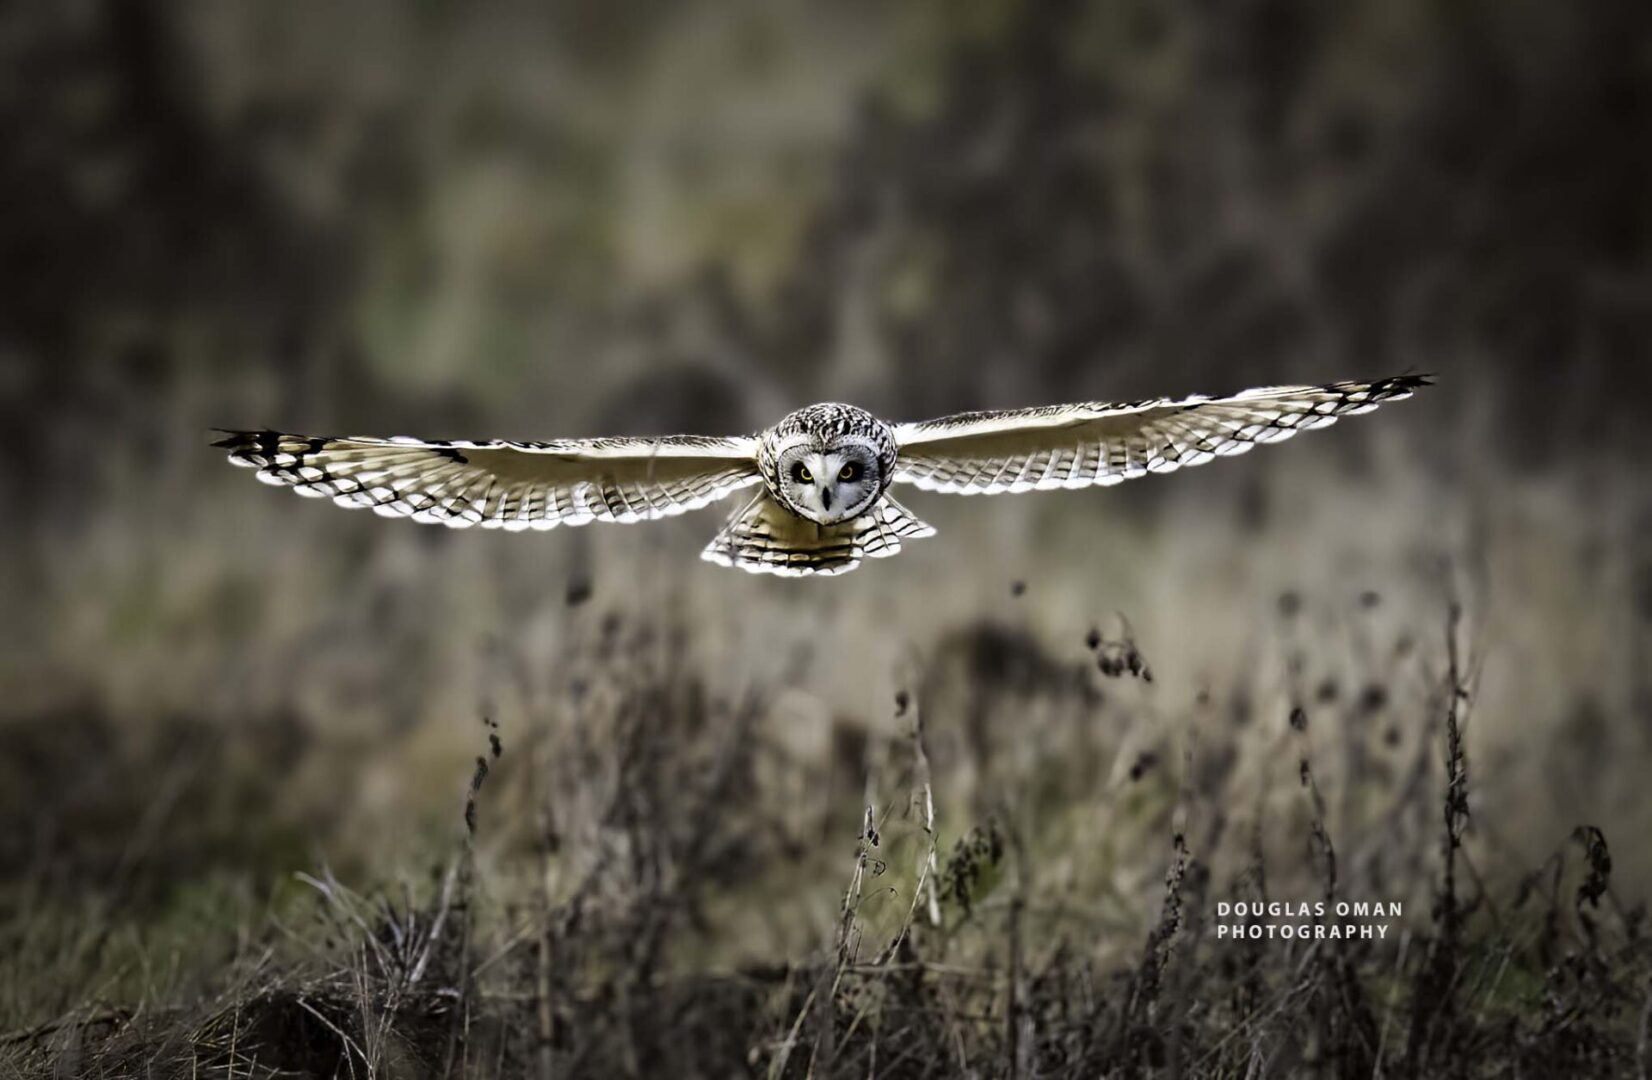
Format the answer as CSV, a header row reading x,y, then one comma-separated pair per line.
x,y
765,537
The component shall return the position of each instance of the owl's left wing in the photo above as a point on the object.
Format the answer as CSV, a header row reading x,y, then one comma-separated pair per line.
x,y
1074,446
504,485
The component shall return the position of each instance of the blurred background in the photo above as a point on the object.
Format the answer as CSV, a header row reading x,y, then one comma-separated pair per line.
x,y
554,220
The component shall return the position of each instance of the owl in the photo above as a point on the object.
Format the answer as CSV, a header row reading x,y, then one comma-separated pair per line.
x,y
816,488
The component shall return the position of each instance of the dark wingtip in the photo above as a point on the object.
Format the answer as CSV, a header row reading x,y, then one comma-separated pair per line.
x,y
1397,386
239,442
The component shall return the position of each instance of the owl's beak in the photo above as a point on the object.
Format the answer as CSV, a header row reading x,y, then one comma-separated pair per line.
x,y
825,498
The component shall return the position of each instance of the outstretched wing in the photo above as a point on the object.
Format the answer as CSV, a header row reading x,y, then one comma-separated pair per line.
x,y
1074,446
504,485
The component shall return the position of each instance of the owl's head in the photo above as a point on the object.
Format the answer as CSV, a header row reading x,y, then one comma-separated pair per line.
x,y
830,482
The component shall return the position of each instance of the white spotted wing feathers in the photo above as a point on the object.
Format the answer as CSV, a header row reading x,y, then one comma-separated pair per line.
x,y
1075,446
504,485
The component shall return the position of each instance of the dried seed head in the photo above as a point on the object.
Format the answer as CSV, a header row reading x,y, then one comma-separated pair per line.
x,y
972,871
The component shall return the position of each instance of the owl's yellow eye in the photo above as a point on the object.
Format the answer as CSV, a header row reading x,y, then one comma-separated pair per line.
x,y
846,473
805,475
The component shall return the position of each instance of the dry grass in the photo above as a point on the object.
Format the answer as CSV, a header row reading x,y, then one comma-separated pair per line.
x,y
632,845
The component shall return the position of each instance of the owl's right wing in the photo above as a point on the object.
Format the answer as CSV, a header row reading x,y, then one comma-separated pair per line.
x,y
1074,446
504,485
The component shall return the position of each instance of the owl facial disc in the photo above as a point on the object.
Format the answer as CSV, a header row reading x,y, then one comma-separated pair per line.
x,y
829,484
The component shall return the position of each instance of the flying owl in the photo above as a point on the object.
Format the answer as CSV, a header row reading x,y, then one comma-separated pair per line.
x,y
822,476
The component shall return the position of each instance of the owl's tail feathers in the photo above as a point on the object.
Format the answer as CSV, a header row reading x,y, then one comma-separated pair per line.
x,y
762,537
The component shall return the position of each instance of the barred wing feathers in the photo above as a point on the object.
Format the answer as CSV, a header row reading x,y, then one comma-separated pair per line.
x,y
763,537
504,485
1075,446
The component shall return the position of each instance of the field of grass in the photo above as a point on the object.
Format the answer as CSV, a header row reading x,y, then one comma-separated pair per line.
x,y
751,827
294,792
